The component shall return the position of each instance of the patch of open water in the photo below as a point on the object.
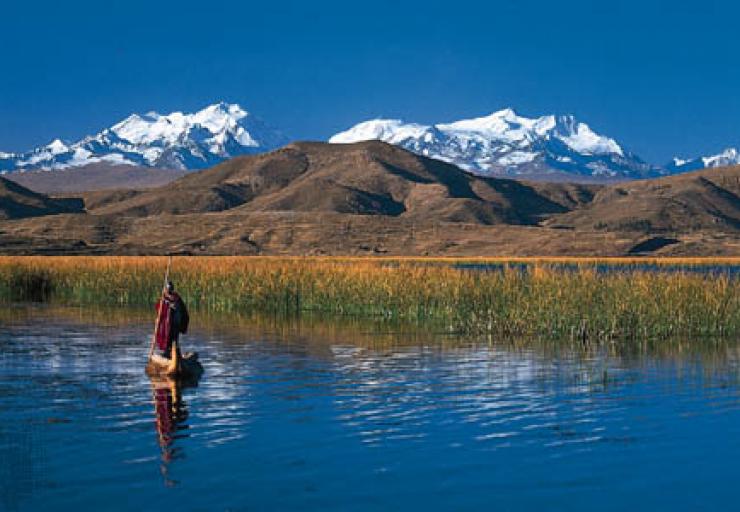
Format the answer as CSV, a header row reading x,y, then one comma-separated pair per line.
x,y
323,418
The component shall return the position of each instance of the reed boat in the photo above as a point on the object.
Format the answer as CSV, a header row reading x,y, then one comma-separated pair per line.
x,y
177,365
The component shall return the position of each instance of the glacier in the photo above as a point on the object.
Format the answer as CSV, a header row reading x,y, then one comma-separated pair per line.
x,y
730,156
175,141
502,143
505,143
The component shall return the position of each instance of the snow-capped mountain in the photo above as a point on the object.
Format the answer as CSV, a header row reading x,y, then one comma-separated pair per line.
x,y
174,141
730,156
503,143
509,144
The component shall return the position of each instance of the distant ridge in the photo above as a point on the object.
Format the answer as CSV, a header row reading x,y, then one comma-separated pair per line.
x,y
726,158
367,178
507,144
700,201
91,177
375,198
17,202
556,148
173,141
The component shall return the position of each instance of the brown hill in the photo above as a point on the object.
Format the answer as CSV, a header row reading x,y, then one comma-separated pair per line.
x,y
707,200
366,178
99,176
17,202
373,198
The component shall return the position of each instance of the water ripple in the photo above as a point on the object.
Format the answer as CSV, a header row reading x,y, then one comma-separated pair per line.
x,y
330,422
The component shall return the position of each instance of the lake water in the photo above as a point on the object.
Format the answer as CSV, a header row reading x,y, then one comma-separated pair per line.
x,y
337,417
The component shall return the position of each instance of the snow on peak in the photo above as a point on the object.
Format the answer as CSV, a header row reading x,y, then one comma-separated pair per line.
x,y
501,124
153,127
581,138
503,140
504,126
730,156
220,110
393,131
219,117
57,147
175,140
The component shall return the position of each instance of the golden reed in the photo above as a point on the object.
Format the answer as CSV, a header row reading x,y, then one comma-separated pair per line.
x,y
553,297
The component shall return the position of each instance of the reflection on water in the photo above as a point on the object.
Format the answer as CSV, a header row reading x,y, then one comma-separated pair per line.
x,y
351,416
22,465
171,420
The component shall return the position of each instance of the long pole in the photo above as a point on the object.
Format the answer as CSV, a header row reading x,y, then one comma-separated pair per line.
x,y
159,309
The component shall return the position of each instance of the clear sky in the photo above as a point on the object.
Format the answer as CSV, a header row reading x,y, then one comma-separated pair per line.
x,y
661,76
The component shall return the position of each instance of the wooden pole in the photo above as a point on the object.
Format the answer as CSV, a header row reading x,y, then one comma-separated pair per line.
x,y
159,310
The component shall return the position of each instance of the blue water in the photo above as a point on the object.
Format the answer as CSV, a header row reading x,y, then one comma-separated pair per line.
x,y
340,419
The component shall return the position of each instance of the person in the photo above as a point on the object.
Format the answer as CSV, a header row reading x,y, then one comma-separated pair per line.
x,y
173,319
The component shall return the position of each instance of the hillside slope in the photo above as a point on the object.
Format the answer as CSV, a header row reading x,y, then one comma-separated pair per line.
x,y
707,200
98,176
17,202
375,198
366,178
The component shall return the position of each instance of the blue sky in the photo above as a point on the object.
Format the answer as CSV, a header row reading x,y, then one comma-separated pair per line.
x,y
661,76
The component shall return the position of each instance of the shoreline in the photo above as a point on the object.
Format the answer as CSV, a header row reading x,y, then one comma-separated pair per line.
x,y
577,304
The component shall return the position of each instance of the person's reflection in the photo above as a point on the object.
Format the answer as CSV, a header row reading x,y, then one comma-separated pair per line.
x,y
171,415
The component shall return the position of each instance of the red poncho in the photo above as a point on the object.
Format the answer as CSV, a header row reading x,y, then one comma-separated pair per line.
x,y
171,311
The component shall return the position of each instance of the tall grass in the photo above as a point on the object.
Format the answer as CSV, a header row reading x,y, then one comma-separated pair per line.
x,y
544,300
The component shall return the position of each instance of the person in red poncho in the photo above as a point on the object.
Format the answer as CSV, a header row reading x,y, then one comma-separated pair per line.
x,y
173,319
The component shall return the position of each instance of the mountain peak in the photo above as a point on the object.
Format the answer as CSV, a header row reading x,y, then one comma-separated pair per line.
x,y
725,158
393,131
57,146
730,153
729,156
232,109
506,113
496,123
505,142
580,137
175,140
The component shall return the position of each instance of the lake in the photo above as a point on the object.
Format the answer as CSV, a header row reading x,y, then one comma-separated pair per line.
x,y
319,415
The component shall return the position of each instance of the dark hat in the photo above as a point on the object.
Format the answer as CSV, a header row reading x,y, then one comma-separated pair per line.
x,y
170,286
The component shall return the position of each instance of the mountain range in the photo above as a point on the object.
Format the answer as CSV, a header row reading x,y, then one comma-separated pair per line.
x,y
174,141
728,157
551,148
505,143
375,198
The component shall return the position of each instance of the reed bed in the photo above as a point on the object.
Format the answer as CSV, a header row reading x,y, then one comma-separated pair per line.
x,y
543,300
